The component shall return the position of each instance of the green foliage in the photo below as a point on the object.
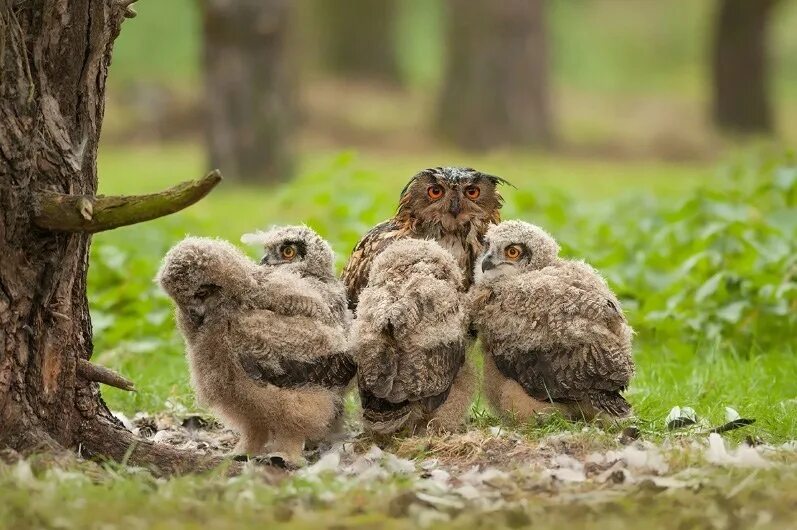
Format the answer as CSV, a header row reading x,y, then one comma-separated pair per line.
x,y
718,267
161,44
707,277
132,318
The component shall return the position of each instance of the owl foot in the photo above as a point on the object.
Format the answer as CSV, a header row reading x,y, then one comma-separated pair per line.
x,y
282,461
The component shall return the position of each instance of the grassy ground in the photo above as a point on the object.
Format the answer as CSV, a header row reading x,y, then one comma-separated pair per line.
x,y
703,257
342,195
574,481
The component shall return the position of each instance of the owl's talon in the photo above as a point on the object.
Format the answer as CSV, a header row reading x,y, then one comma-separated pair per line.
x,y
282,461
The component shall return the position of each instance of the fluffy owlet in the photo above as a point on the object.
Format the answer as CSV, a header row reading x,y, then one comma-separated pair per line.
x,y
451,205
409,340
260,355
554,335
300,250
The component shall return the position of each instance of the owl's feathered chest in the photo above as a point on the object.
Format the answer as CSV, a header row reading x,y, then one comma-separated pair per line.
x,y
464,244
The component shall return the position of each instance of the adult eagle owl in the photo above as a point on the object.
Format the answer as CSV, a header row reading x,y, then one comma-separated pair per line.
x,y
451,205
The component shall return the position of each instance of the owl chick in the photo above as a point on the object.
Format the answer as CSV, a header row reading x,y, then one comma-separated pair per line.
x,y
300,250
258,354
409,340
554,335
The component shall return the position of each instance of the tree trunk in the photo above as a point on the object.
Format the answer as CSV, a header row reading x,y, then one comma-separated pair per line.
x,y
495,91
54,64
55,56
740,66
358,38
249,88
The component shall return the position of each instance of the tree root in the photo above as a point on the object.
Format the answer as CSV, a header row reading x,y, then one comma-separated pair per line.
x,y
99,438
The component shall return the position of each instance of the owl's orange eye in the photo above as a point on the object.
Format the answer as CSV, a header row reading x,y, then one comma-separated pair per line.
x,y
288,252
435,191
473,192
513,253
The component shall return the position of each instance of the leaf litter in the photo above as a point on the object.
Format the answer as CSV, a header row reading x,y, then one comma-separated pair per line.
x,y
484,470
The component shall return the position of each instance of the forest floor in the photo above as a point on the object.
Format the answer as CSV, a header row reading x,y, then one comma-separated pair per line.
x,y
483,478
555,474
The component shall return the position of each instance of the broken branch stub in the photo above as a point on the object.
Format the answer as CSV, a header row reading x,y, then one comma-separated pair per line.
x,y
99,374
80,213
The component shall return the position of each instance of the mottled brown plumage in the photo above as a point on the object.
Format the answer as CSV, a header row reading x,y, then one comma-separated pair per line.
x,y
298,249
554,334
265,352
410,339
453,206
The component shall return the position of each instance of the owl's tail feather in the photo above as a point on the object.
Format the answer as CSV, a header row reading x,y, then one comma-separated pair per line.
x,y
386,417
383,416
611,402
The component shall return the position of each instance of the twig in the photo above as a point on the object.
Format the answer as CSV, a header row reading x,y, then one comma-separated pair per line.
x,y
106,376
127,8
81,213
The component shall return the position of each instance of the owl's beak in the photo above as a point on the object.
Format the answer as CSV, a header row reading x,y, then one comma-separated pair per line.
x,y
197,315
454,208
487,264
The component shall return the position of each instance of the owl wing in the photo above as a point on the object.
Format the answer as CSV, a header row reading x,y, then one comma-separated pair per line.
x,y
355,274
411,341
388,397
429,372
435,340
328,371
560,342
288,294
291,352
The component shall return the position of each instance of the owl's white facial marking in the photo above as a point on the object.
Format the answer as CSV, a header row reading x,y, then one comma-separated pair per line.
x,y
299,248
499,259
515,246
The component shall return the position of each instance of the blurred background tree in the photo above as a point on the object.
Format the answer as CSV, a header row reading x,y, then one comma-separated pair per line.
x,y
249,88
437,81
740,69
357,38
495,91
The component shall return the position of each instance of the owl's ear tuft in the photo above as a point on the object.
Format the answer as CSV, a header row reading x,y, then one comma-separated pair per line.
x,y
495,180
414,179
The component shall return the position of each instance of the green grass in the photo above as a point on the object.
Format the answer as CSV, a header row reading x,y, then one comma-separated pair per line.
x,y
37,495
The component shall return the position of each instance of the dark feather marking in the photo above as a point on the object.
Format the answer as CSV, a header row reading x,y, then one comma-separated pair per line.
x,y
611,402
535,374
532,372
378,410
355,275
328,371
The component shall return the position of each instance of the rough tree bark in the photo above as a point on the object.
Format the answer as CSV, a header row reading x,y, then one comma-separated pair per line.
x,y
55,56
495,91
357,38
740,66
249,86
